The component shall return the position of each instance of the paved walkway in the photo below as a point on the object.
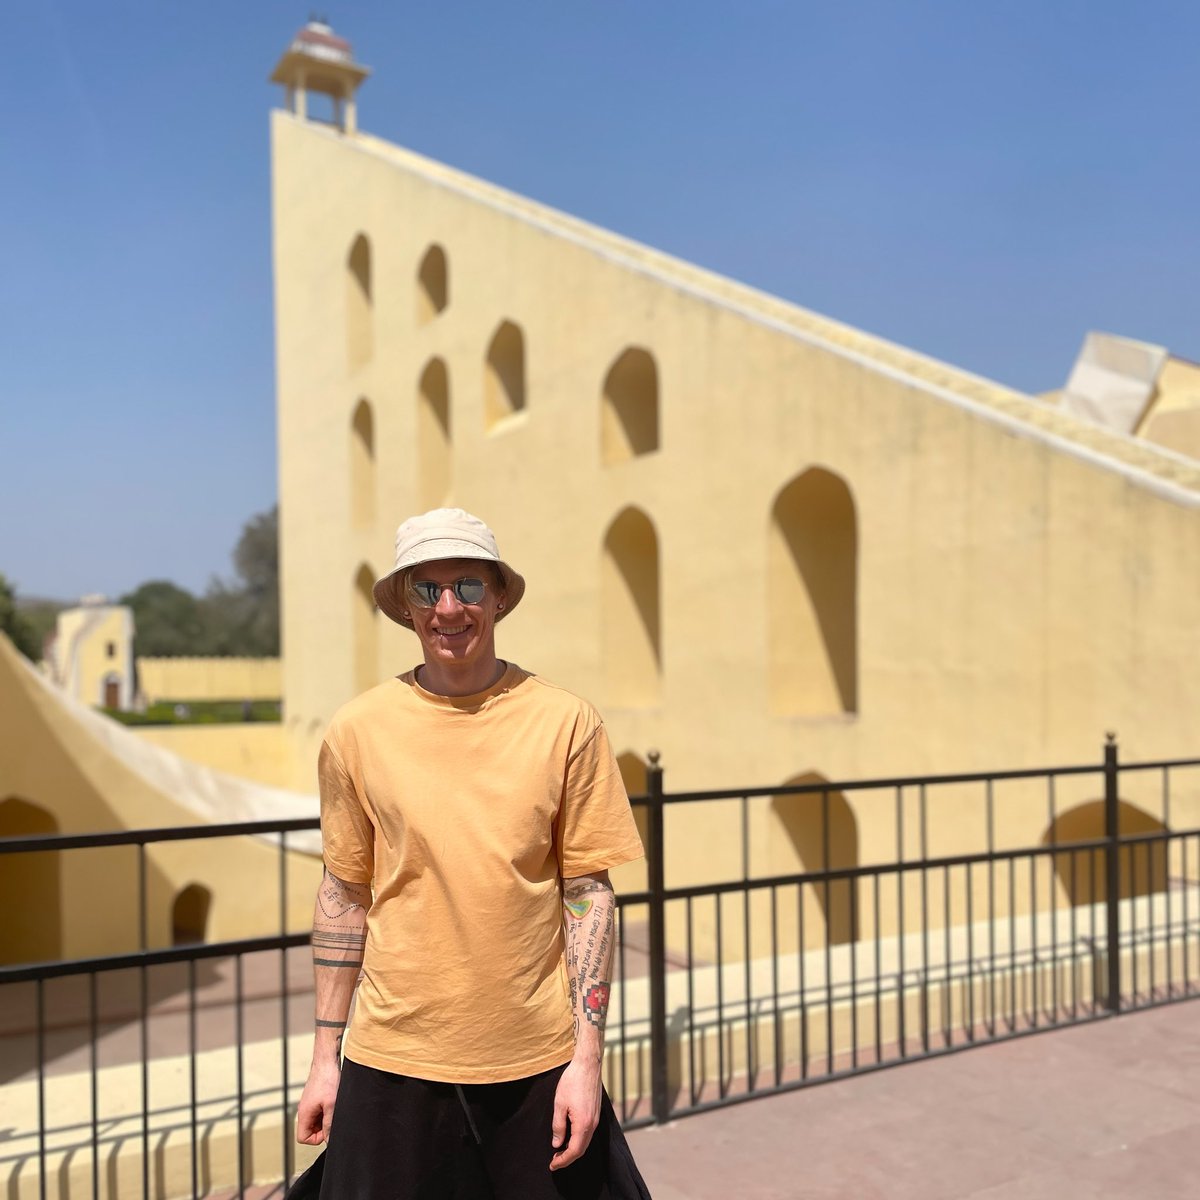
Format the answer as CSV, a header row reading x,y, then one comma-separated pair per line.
x,y
1108,1111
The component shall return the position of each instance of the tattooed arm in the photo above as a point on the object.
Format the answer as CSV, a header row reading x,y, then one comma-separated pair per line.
x,y
339,923
589,909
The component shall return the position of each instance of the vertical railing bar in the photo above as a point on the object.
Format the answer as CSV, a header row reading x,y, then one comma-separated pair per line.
x,y
284,997
777,1036
1187,973
624,978
193,1106
1074,897
720,1002
1168,845
1189,907
1012,944
801,965
827,888
902,927
1092,856
241,1084
991,862
1131,864
1112,874
947,964
1053,890
40,1017
658,942
878,971
923,828
852,888
1152,933
94,1070
693,1090
970,953
144,1010
747,982
1034,962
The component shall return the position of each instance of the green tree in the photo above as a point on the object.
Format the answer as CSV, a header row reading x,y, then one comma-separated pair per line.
x,y
15,625
243,616
169,621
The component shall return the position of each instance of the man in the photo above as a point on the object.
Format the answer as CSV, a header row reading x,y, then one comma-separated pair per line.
x,y
470,812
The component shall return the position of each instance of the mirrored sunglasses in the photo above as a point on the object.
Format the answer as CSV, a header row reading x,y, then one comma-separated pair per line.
x,y
425,593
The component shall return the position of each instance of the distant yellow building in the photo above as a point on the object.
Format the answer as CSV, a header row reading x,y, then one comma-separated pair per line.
x,y
91,654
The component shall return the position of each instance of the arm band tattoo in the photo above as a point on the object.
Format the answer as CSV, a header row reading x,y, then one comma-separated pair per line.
x,y
330,1024
589,908
331,895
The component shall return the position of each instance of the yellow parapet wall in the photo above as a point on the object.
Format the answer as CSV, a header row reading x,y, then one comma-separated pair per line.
x,y
259,752
209,679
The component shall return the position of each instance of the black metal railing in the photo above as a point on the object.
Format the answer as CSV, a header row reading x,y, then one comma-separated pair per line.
x,y
784,936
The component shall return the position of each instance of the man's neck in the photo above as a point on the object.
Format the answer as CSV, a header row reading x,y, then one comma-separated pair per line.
x,y
446,681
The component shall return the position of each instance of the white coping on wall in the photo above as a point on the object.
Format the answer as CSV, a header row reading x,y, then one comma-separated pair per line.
x,y
1174,477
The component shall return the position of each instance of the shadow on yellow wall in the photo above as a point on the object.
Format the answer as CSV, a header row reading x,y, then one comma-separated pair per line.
x,y
1081,873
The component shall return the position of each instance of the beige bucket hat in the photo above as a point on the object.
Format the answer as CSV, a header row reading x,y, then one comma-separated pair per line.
x,y
443,533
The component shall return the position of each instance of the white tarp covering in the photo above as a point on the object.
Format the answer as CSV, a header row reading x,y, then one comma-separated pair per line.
x,y
1113,380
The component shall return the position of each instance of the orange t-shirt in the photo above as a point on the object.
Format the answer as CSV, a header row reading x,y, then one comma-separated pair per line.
x,y
466,812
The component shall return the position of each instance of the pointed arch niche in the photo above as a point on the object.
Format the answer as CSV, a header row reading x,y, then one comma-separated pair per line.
x,y
630,608
433,284
366,630
1081,873
362,465
360,335
629,407
812,597
30,886
434,448
817,831
504,374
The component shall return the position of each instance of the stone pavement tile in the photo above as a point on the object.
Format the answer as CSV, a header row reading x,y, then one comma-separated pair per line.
x,y
1075,1096
1159,1168
894,1135
1158,1048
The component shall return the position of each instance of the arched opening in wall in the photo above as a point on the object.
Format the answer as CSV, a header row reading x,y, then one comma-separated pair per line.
x,y
1082,874
629,407
359,325
189,915
434,457
629,610
110,690
817,831
504,374
30,887
362,465
812,597
433,284
366,630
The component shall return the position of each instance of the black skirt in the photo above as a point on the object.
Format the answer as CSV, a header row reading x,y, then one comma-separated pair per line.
x,y
399,1138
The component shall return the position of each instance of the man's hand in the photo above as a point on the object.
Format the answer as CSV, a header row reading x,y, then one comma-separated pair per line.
x,y
314,1115
577,1100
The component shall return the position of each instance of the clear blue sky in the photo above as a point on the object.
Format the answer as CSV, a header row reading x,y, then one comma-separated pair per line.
x,y
981,181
